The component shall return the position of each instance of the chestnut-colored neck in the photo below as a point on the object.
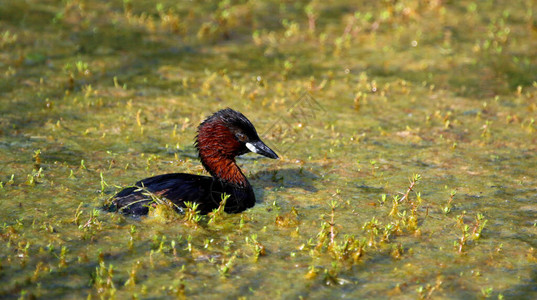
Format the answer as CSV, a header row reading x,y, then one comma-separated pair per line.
x,y
225,169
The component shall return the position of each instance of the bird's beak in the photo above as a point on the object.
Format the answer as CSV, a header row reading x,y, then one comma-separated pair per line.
x,y
260,148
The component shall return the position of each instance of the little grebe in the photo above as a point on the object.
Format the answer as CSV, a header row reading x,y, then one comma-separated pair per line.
x,y
221,137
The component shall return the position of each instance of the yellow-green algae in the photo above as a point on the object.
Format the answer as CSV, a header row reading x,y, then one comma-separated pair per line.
x,y
357,98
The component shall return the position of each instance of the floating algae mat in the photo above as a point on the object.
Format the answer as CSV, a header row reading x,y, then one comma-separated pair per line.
x,y
406,131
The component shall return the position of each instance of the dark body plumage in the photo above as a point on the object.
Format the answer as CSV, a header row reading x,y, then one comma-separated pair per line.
x,y
179,188
221,137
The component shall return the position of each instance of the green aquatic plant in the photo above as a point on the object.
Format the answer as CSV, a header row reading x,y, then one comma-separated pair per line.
x,y
427,291
288,219
487,292
469,233
7,38
349,250
78,213
131,282
257,247
102,281
192,215
326,237
404,218
217,213
449,205
372,231
461,243
132,237
103,183
63,259
413,181
37,159
479,225
331,277
92,226
226,266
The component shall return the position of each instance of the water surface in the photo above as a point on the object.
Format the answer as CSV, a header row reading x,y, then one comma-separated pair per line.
x,y
357,99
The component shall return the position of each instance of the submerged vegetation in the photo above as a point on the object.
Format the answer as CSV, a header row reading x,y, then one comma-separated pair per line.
x,y
406,130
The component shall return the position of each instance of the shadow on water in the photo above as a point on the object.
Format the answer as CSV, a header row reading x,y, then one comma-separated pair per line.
x,y
287,178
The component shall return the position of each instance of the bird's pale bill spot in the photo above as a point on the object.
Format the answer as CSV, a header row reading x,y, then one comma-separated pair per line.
x,y
251,147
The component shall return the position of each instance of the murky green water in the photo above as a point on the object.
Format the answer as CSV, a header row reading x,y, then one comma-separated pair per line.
x,y
355,98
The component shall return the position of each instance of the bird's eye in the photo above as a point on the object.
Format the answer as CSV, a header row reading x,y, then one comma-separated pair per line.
x,y
241,137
